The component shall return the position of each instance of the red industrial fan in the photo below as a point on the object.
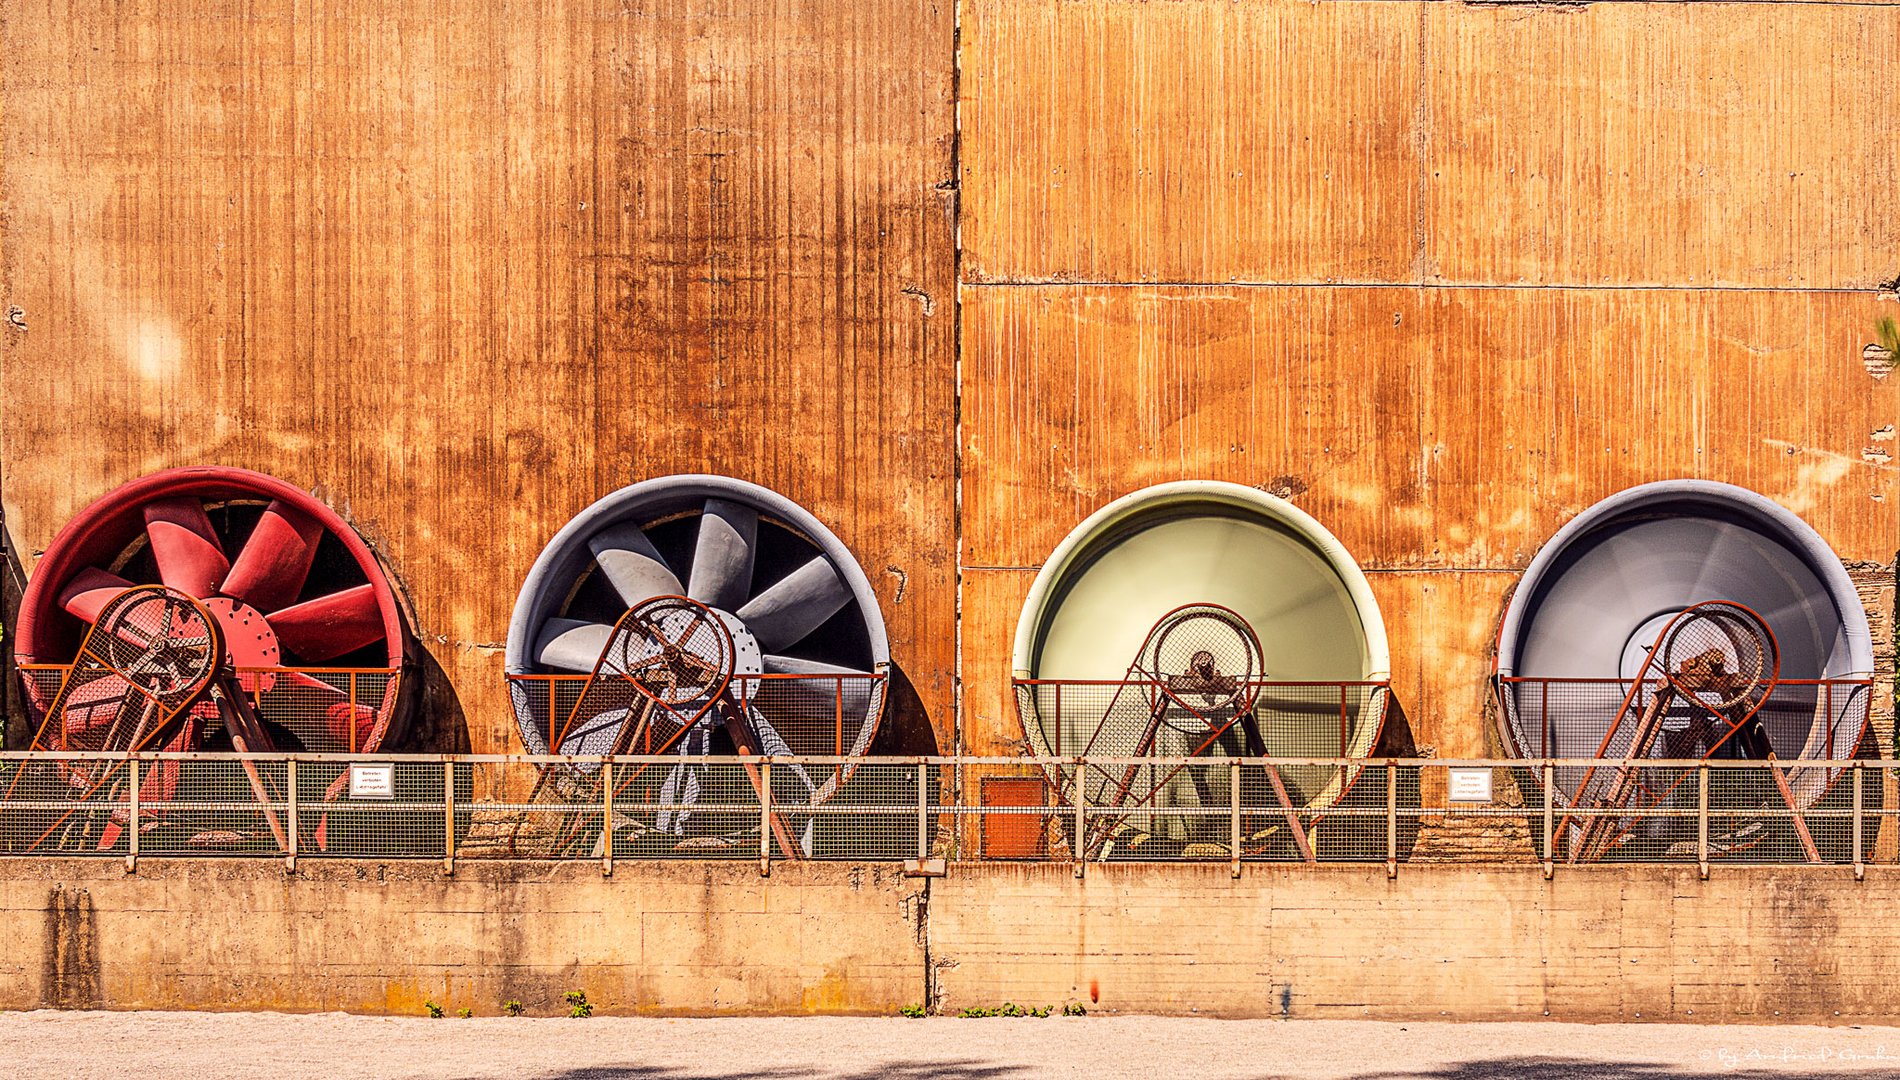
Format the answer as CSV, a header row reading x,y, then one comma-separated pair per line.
x,y
280,611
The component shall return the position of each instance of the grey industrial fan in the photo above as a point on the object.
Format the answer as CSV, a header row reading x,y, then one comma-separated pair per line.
x,y
751,592
1591,642
1097,642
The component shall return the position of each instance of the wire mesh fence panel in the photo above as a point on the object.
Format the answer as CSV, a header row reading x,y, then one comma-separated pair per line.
x,y
1467,813
529,810
182,806
58,806
303,710
388,808
791,714
216,806
321,710
1798,720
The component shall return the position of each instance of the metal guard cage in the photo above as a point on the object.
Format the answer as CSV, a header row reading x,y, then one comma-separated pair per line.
x,y
305,710
1562,718
1153,797
687,807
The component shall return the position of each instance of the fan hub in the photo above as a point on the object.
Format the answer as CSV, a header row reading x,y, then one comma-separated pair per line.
x,y
1641,640
747,657
249,642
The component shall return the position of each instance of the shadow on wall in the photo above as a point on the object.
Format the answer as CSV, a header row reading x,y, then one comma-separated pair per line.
x,y
1581,1069
1491,1069
906,729
14,731
437,722
895,1070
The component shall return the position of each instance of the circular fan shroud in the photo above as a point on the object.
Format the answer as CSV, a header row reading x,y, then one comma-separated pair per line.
x,y
1622,567
569,581
1095,601
111,534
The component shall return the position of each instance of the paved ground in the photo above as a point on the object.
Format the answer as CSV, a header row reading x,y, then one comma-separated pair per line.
x,y
202,1046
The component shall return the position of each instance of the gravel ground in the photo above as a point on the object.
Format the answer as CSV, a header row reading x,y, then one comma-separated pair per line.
x,y
200,1046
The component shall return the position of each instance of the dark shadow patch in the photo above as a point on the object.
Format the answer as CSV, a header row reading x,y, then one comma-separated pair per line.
x,y
894,1070
69,976
17,732
437,722
1582,1069
906,729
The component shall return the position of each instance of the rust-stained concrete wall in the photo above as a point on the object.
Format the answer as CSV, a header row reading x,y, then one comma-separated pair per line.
x,y
1592,944
463,269
1595,944
386,937
1441,274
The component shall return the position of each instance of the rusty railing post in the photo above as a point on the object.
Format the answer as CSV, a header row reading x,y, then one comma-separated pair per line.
x,y
448,815
765,818
1702,822
1391,818
1550,819
1079,791
290,813
1860,863
607,818
923,810
1233,812
132,844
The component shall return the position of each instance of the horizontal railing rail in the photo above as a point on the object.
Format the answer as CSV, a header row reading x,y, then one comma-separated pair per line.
x,y
923,810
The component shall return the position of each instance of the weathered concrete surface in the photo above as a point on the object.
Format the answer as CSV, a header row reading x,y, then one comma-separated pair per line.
x,y
386,937
1455,942
1594,944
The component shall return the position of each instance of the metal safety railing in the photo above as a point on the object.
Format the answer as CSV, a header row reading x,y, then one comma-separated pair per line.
x,y
329,709
955,809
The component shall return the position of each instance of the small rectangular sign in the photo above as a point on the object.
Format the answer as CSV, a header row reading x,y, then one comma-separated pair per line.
x,y
1470,785
375,780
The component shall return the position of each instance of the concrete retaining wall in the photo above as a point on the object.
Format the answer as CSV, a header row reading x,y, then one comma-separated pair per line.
x,y
385,937
1457,942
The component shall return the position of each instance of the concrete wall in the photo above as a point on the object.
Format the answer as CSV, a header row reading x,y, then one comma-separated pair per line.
x,y
386,937
1603,943
1469,943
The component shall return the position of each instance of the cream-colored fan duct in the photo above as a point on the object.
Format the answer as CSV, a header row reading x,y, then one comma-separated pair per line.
x,y
1263,586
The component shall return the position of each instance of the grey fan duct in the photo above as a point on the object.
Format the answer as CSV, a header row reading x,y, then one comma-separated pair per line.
x,y
1598,596
808,648
1291,584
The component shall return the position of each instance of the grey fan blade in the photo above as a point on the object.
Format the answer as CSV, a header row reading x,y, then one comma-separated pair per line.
x,y
829,683
722,557
572,645
799,603
798,665
824,712
635,567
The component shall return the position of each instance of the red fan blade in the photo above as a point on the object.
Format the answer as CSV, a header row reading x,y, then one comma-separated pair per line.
x,y
90,590
90,708
311,682
186,549
329,626
350,725
270,571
